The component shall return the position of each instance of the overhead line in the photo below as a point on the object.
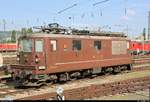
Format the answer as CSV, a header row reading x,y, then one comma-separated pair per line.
x,y
67,8
100,2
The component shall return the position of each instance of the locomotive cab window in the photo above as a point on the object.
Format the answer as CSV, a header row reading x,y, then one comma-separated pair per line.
x,y
25,45
53,45
97,45
38,45
76,45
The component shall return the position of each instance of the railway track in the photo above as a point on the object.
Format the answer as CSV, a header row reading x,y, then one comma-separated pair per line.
x,y
142,60
26,92
140,56
96,90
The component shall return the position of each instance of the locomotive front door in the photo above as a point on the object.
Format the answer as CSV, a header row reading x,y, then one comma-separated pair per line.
x,y
40,54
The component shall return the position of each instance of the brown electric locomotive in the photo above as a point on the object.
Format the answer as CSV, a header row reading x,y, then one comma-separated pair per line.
x,y
58,54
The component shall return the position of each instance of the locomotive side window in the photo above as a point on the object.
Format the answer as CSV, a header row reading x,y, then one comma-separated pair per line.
x,y
53,45
97,45
39,46
76,45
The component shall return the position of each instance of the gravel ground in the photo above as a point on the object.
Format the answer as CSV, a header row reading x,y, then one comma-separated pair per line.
x,y
138,95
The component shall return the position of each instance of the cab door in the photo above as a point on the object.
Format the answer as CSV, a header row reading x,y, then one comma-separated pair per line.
x,y
53,56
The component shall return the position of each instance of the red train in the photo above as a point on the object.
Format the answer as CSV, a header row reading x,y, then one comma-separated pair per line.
x,y
139,47
8,47
62,56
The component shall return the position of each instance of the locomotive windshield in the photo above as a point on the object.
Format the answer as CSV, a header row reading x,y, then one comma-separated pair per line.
x,y
25,45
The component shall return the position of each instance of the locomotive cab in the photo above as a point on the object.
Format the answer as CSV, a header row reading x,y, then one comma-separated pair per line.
x,y
31,52
31,59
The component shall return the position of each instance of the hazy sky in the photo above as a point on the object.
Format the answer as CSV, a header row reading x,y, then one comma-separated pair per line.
x,y
23,13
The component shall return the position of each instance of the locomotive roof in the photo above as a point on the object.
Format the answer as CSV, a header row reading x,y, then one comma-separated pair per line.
x,y
72,36
55,30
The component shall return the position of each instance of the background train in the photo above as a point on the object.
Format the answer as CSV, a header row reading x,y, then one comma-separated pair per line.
x,y
7,57
60,56
139,47
8,47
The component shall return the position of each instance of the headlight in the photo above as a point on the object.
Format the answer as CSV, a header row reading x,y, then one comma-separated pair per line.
x,y
18,59
37,60
42,67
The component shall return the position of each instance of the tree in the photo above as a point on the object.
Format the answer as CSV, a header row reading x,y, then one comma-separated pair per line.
x,y
26,31
29,30
13,36
23,31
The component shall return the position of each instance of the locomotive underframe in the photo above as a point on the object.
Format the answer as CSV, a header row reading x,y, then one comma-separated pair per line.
x,y
28,77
